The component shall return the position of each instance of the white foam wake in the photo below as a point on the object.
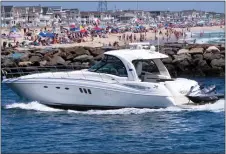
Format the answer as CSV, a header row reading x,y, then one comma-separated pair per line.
x,y
32,106
216,107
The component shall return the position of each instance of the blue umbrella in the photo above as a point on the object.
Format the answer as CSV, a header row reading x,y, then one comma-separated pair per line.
x,y
42,34
142,27
75,29
50,35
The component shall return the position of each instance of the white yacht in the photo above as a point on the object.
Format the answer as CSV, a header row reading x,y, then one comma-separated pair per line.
x,y
123,78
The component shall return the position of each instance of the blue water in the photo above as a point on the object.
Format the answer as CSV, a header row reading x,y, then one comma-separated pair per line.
x,y
32,127
209,37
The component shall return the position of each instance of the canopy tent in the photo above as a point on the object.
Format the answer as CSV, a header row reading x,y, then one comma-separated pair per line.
x,y
50,35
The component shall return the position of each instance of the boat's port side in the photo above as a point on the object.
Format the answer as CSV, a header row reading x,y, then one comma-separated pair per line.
x,y
82,90
71,94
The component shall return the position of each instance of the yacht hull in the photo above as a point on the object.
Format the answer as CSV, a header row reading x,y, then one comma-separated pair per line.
x,y
83,96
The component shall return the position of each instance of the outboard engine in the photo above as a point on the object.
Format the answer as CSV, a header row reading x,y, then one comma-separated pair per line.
x,y
201,95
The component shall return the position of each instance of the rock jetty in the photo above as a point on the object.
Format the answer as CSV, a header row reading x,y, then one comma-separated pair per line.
x,y
184,59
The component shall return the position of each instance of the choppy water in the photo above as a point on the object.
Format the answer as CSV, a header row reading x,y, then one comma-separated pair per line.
x,y
32,127
209,37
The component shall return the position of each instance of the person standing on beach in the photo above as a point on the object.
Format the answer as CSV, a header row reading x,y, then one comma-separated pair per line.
x,y
4,45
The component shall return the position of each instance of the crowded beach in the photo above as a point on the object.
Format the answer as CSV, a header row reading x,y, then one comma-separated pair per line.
x,y
99,34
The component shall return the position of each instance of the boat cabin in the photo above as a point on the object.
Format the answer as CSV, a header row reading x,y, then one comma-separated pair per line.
x,y
136,65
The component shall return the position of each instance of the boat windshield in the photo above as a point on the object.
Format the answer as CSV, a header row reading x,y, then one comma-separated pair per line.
x,y
110,65
146,68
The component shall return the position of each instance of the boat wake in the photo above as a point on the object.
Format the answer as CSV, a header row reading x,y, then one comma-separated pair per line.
x,y
31,106
216,107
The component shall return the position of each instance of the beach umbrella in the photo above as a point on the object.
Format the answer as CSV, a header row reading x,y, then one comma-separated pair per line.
x,y
14,35
72,25
51,35
142,27
97,28
96,21
75,29
83,31
42,34
14,29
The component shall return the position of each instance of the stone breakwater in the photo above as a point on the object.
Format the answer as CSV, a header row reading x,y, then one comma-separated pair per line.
x,y
184,60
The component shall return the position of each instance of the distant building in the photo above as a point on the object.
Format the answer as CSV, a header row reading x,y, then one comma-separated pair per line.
x,y
27,15
34,13
56,15
7,17
46,16
72,15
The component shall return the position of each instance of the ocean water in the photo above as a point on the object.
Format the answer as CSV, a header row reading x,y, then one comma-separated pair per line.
x,y
32,127
209,37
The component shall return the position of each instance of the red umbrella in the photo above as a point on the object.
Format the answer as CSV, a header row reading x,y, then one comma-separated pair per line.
x,y
97,28
83,31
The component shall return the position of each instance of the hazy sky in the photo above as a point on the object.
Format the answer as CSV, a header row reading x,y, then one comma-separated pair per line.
x,y
148,6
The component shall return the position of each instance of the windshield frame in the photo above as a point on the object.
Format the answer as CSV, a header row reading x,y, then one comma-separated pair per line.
x,y
109,59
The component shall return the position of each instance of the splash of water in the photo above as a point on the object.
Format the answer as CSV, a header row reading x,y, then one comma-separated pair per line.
x,y
216,107
32,106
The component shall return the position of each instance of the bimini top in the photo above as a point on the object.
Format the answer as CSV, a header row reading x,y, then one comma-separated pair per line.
x,y
136,54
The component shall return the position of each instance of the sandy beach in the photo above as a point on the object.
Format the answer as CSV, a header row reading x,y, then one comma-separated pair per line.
x,y
111,38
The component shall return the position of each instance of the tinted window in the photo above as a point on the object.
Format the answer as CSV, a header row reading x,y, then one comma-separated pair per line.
x,y
147,66
110,65
84,90
89,91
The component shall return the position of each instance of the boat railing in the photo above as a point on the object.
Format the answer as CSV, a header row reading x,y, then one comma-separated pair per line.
x,y
21,71
12,72
102,77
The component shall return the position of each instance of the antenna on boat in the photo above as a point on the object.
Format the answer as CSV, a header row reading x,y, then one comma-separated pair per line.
x,y
158,41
